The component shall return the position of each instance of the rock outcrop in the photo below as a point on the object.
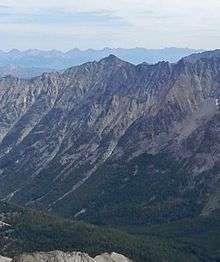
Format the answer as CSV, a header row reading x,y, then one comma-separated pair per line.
x,y
54,256
59,256
5,259
113,257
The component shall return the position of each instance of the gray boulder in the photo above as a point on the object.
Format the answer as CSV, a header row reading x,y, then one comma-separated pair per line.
x,y
4,259
60,256
113,257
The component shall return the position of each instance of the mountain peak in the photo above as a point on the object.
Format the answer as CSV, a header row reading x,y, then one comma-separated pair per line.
x,y
111,59
111,56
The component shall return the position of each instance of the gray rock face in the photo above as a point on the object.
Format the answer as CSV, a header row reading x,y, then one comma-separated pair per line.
x,y
5,259
54,256
58,130
113,257
59,256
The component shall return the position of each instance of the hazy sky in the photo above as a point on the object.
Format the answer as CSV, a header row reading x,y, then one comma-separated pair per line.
x,y
65,24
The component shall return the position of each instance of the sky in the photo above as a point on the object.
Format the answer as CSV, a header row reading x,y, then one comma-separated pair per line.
x,y
66,24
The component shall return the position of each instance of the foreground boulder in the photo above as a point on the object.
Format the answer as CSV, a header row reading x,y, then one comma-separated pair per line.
x,y
5,259
113,257
59,256
54,256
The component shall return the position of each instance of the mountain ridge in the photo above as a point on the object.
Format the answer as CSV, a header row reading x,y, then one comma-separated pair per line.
x,y
68,128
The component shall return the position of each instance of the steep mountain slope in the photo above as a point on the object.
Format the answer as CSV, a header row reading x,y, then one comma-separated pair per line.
x,y
139,144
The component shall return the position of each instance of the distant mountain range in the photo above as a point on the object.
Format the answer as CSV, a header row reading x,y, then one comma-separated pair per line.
x,y
31,63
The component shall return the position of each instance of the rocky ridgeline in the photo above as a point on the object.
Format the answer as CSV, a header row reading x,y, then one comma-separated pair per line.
x,y
59,256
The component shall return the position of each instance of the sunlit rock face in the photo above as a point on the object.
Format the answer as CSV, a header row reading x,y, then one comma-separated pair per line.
x,y
5,259
113,257
54,256
70,142
59,256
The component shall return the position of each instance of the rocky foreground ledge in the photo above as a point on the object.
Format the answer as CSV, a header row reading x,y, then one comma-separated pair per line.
x,y
5,259
59,256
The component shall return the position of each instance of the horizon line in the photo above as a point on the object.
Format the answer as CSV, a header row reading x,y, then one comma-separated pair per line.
x,y
101,49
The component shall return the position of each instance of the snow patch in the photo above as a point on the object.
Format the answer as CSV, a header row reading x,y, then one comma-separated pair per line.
x,y
82,211
3,224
